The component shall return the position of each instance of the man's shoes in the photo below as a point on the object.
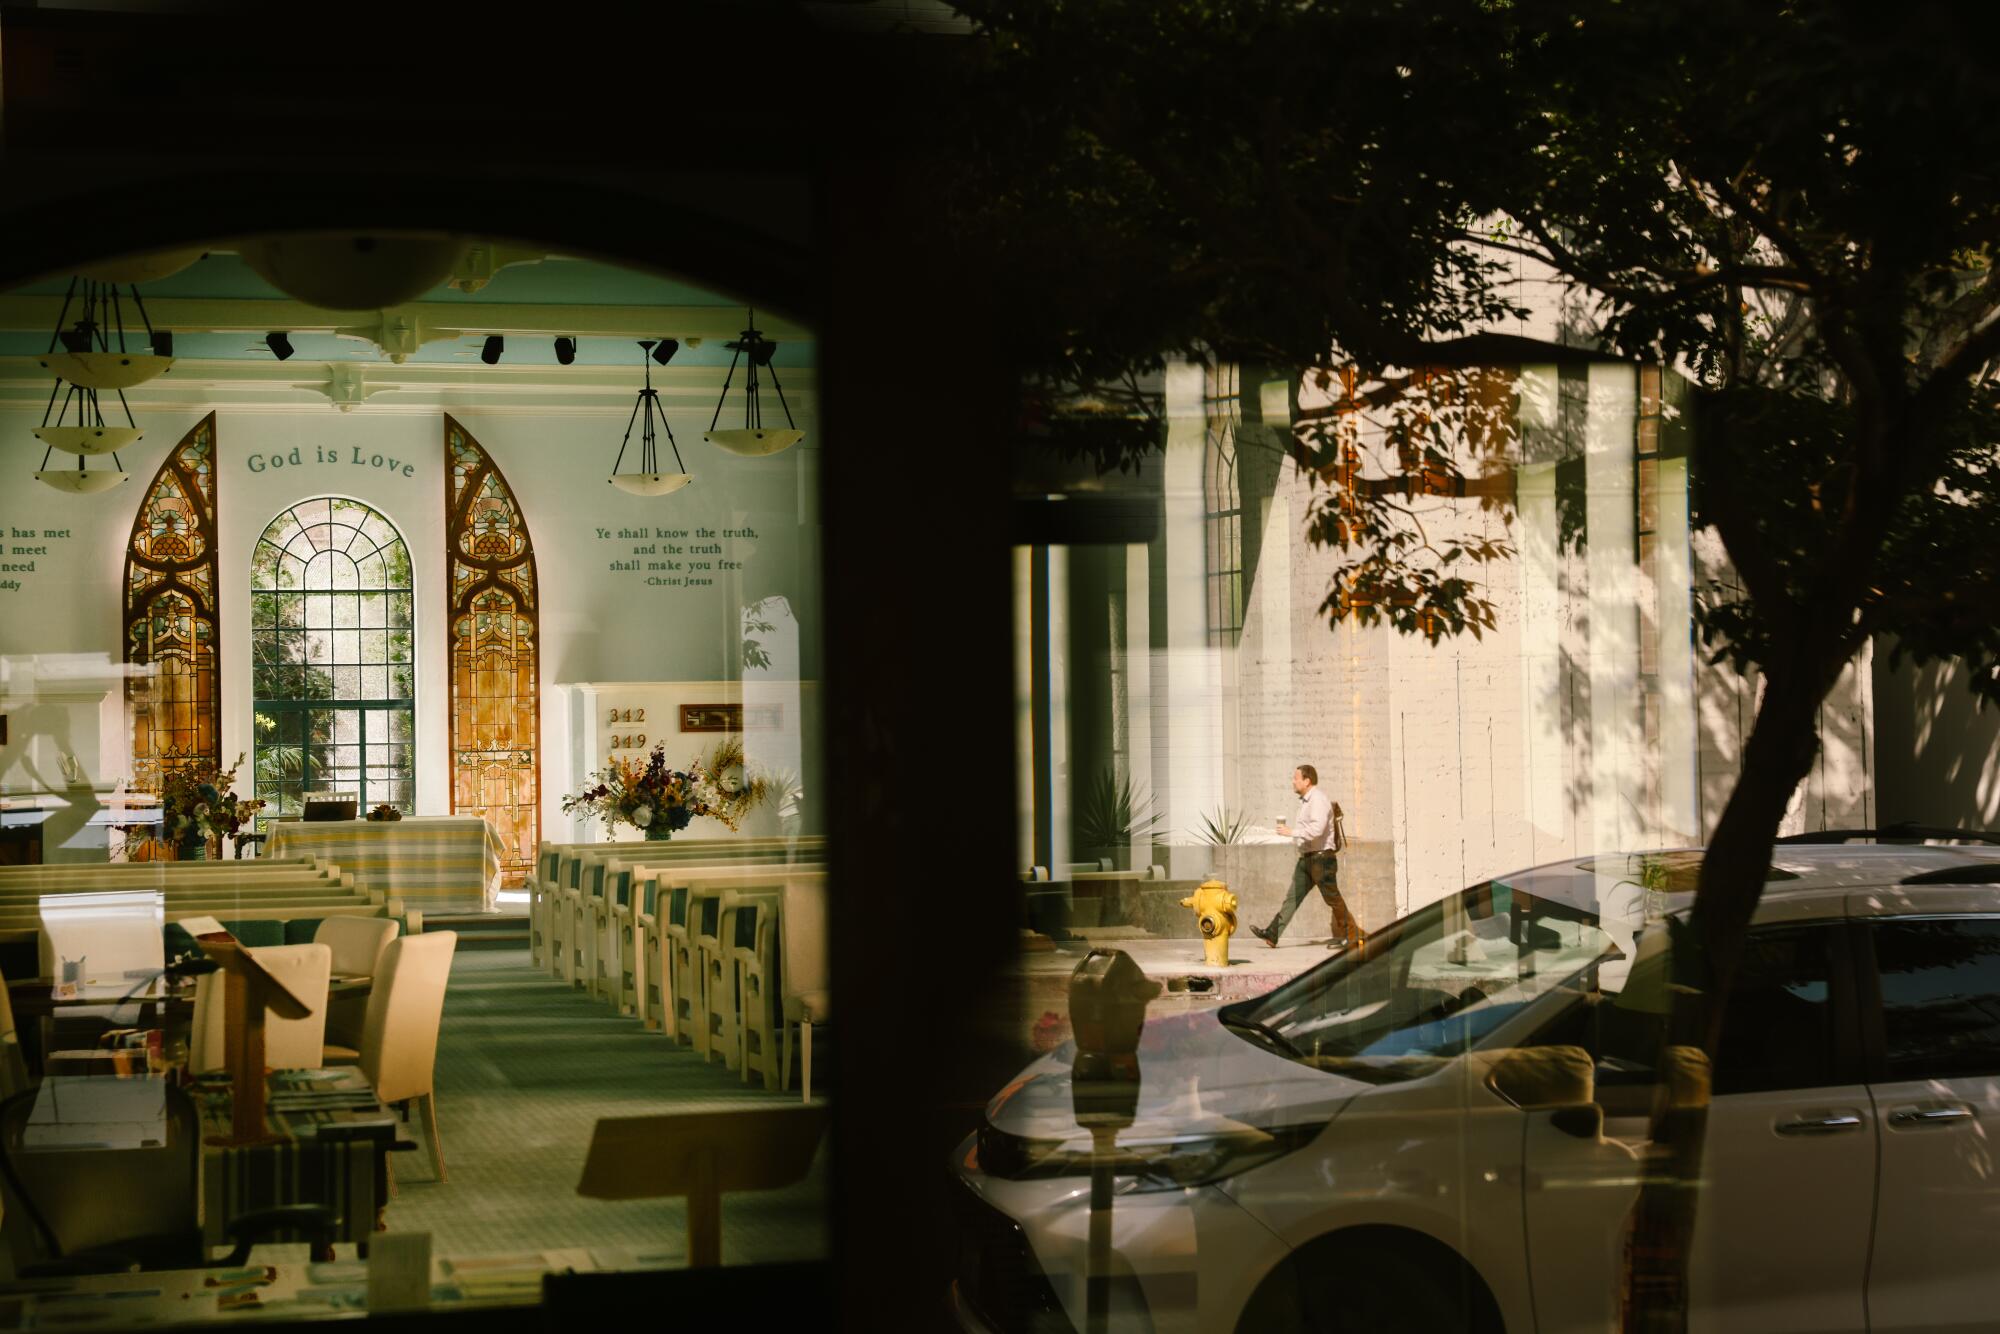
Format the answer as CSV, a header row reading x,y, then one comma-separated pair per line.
x,y
1264,936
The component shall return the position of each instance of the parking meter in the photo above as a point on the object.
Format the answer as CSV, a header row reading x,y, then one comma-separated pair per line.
x,y
1108,993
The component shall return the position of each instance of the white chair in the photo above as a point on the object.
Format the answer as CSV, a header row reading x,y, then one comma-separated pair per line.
x,y
398,1051
357,943
289,1044
652,994
759,1013
739,913
540,888
804,972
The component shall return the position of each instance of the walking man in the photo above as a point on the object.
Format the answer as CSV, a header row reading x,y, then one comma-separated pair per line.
x,y
1315,831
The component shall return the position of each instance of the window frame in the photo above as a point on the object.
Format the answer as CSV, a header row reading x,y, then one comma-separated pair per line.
x,y
1846,995
305,706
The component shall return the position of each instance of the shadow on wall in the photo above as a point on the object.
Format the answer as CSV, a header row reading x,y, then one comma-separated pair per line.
x,y
1937,752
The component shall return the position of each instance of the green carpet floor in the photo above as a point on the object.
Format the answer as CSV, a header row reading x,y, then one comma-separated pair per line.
x,y
526,1065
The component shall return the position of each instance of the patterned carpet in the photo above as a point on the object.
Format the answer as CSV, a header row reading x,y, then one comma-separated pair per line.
x,y
526,1065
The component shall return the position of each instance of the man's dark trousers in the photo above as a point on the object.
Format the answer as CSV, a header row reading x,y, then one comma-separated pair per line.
x,y
1313,870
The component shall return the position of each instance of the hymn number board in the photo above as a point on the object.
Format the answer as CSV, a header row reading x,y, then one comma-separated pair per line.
x,y
625,730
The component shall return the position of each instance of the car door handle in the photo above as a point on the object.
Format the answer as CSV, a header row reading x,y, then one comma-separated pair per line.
x,y
1926,1116
1832,1123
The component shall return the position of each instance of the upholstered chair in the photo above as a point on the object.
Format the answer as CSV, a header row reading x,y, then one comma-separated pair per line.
x,y
289,1044
399,1038
357,943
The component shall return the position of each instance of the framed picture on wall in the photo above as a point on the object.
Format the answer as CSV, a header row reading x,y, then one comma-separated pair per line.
x,y
711,717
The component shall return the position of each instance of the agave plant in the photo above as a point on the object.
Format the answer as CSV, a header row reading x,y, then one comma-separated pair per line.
x,y
1111,814
1223,827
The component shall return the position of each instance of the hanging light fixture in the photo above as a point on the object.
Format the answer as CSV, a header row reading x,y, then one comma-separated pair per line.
x,y
753,438
90,435
87,358
87,364
648,481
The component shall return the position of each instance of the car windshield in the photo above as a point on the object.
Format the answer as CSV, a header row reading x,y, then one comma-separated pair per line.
x,y
1436,983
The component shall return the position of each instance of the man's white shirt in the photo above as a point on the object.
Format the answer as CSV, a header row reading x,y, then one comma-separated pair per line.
x,y
1312,827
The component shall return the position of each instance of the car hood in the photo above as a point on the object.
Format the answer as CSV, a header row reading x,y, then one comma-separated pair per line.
x,y
1195,1077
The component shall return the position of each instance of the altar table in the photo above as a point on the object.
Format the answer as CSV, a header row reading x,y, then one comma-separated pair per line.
x,y
434,863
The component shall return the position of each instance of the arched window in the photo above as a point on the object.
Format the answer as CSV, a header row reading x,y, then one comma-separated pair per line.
x,y
170,622
333,657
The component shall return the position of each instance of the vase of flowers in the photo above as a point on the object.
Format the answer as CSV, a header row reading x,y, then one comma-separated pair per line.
x,y
199,808
659,802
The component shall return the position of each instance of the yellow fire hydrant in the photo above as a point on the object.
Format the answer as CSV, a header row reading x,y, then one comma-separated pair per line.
x,y
1215,913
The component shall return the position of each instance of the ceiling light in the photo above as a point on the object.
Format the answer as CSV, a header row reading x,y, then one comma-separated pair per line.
x,y
94,354
349,271
565,351
89,435
664,351
490,354
89,362
753,438
648,481
280,345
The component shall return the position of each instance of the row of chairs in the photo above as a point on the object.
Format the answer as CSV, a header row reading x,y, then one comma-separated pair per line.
x,y
720,944
83,1206
391,1032
393,1036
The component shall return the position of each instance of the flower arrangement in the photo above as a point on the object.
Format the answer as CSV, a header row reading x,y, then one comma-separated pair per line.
x,y
658,801
198,800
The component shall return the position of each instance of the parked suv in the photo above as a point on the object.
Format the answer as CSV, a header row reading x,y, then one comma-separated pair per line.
x,y
1442,1129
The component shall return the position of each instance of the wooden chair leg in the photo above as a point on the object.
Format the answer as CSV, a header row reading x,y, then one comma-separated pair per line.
x,y
785,1063
389,1171
431,1128
806,1059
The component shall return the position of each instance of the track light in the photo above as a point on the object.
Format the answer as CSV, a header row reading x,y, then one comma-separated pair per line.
x,y
663,351
280,344
565,351
490,354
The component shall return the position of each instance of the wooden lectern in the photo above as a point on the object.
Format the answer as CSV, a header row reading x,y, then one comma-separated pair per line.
x,y
249,991
700,1155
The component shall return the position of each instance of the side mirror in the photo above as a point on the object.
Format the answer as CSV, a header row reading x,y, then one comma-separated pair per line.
x,y
1561,1080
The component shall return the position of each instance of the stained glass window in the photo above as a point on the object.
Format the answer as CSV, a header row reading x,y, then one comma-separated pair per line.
x,y
170,622
332,663
495,651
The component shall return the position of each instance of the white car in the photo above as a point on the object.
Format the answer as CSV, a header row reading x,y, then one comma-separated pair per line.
x,y
1344,1153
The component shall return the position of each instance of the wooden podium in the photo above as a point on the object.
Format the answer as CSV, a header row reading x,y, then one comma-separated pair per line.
x,y
249,991
700,1155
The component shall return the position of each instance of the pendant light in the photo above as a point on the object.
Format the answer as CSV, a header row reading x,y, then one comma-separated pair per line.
x,y
753,438
87,364
87,357
649,481
89,436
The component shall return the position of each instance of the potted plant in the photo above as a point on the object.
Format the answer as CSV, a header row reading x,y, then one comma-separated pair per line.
x,y
199,808
1110,817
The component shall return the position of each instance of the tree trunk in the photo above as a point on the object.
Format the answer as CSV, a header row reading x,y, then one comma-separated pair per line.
x,y
1660,1230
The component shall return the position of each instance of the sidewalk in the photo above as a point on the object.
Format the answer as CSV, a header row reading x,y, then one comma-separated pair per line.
x,y
1187,980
